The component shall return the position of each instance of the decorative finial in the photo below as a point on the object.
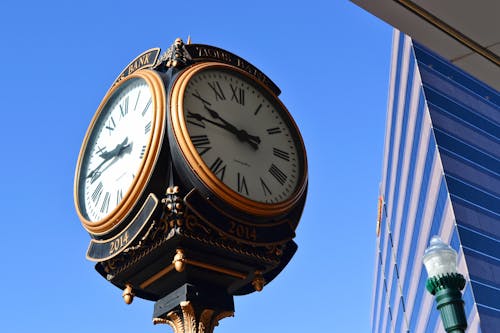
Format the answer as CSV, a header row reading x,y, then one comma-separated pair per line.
x,y
179,261
258,281
176,55
173,207
128,295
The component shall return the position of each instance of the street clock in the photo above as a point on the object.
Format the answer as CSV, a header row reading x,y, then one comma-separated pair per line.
x,y
192,174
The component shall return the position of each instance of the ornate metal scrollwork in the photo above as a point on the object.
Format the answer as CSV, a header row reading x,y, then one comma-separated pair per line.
x,y
185,319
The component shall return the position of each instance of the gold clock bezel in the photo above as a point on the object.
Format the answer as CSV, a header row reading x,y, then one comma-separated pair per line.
x,y
199,167
117,215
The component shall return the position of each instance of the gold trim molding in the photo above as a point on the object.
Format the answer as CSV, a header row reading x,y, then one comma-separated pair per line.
x,y
179,264
180,261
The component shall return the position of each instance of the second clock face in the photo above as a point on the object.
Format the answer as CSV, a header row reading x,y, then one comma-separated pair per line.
x,y
119,152
243,135
116,148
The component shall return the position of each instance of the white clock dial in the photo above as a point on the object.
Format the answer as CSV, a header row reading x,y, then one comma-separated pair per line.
x,y
115,149
243,135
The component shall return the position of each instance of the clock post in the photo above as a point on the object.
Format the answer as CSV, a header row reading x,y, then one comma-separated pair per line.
x,y
192,310
189,200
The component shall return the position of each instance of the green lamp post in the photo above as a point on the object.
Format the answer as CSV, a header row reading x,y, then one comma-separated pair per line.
x,y
445,283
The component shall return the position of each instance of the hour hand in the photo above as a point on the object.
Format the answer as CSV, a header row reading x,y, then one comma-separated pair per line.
x,y
242,135
118,149
106,156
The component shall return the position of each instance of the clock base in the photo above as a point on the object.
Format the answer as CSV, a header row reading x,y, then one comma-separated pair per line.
x,y
191,309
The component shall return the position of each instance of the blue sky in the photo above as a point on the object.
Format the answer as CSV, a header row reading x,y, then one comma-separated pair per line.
x,y
331,61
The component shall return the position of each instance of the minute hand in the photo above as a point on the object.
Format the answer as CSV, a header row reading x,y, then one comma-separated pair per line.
x,y
242,135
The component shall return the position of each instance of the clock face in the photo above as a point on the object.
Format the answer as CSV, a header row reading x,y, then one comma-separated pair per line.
x,y
242,135
116,151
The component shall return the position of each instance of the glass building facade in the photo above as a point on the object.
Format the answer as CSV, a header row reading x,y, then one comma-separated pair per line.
x,y
440,176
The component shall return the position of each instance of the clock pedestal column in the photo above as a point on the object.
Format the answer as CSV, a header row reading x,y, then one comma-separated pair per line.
x,y
191,309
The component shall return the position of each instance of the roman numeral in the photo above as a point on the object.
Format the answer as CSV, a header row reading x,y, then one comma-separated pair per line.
x,y
137,100
105,203
99,150
146,107
219,93
119,196
218,168
147,128
143,151
111,125
97,193
124,108
194,119
201,143
258,109
274,130
197,95
281,154
242,184
265,188
238,94
278,174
